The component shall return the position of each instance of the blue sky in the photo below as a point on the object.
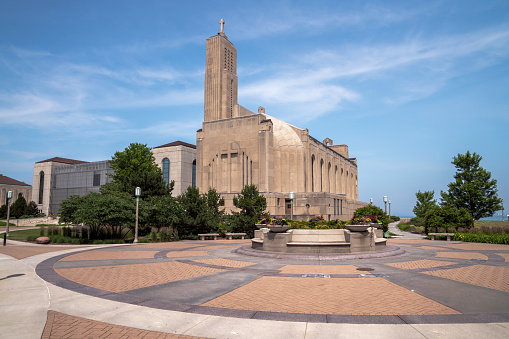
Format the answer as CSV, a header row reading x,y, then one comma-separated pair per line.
x,y
406,85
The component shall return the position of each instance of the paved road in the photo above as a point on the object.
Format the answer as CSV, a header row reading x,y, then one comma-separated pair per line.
x,y
205,289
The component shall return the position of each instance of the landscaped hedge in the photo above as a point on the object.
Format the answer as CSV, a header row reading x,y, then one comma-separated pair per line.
x,y
485,238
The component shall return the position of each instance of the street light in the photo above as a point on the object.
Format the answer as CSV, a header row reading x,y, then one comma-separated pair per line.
x,y
385,202
137,193
9,196
371,201
389,209
291,205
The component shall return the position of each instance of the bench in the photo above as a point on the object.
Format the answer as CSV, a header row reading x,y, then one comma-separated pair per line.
x,y
449,235
229,235
202,236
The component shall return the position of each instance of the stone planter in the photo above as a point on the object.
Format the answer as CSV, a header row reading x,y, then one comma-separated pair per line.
x,y
278,228
260,226
358,228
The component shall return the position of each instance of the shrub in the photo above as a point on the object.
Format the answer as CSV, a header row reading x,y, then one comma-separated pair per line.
x,y
484,238
380,214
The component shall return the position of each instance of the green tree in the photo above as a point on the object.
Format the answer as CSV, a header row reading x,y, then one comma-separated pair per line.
x,y
31,209
472,188
136,167
368,210
18,207
95,210
425,201
68,208
160,211
447,217
3,212
202,211
251,205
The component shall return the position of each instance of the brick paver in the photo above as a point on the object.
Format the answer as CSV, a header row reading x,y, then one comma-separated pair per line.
x,y
471,246
225,262
109,255
21,252
462,255
321,269
129,277
493,277
505,256
349,296
211,247
425,263
166,245
178,254
61,325
429,248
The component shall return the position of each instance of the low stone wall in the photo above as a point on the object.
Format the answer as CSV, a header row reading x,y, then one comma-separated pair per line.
x,y
318,241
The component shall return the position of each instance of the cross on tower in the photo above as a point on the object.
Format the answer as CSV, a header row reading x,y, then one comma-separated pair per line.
x,y
222,25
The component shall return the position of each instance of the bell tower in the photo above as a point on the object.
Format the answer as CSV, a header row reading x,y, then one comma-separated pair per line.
x,y
221,84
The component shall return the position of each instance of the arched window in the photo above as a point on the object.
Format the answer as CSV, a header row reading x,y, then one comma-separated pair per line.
x,y
194,174
313,173
321,175
328,178
41,186
20,195
166,170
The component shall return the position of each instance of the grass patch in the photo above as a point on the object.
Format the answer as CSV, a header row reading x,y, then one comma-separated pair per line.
x,y
3,223
23,235
491,224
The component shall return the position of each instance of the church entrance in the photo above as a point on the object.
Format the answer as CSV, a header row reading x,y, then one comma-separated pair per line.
x,y
288,207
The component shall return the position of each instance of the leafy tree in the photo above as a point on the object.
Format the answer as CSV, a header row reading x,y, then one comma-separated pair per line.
x,y
368,210
31,209
3,212
68,209
160,211
136,167
18,207
447,217
252,206
425,201
473,188
202,213
97,210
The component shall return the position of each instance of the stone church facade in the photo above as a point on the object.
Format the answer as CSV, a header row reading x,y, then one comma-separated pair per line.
x,y
236,147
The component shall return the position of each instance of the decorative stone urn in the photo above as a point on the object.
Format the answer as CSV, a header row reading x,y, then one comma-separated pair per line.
x,y
278,228
358,228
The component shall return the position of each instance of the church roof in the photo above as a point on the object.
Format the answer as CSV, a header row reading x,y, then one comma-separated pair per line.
x,y
10,181
284,134
64,161
177,143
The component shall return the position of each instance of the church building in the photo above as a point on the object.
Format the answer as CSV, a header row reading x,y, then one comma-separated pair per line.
x,y
236,147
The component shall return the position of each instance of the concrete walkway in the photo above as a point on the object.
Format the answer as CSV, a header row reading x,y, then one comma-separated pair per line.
x,y
394,229
203,289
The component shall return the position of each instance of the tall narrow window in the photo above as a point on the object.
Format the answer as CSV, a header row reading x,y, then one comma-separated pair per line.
x,y
97,179
328,179
313,173
247,170
41,186
194,174
251,173
321,175
166,170
243,170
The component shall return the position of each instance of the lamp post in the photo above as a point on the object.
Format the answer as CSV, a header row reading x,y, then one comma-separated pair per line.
x,y
291,205
389,209
9,196
137,193
385,202
371,201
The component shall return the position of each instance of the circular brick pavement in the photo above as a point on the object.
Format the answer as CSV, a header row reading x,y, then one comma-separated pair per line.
x,y
426,282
